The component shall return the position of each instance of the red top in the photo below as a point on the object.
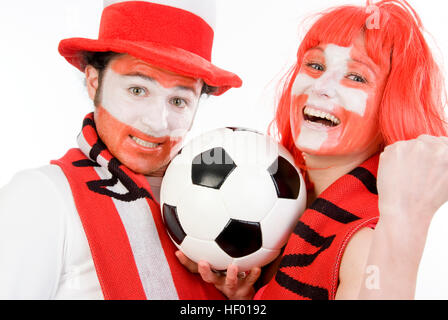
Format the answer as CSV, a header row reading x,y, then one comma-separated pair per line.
x,y
310,265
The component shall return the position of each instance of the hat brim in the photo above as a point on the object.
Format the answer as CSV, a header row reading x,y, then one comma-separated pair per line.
x,y
169,58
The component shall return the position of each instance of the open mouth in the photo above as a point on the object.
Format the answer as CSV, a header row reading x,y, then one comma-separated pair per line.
x,y
318,116
145,144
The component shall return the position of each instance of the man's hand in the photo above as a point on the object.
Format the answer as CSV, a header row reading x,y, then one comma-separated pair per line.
x,y
233,284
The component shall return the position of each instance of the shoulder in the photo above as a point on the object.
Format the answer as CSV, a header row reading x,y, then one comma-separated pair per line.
x,y
35,195
33,222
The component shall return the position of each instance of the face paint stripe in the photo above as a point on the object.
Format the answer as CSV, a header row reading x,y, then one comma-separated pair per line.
x,y
351,103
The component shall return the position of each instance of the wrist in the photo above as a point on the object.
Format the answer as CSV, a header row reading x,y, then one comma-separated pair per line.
x,y
404,218
403,233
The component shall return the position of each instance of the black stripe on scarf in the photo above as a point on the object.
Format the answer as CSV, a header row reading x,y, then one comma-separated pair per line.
x,y
118,175
309,235
300,288
332,211
366,178
302,259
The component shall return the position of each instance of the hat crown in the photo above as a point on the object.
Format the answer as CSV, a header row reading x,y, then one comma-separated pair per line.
x,y
174,35
206,9
149,22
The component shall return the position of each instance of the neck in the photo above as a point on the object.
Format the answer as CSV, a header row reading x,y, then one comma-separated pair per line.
x,y
324,170
157,173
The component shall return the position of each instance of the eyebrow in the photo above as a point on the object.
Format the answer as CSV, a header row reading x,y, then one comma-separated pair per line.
x,y
147,78
316,48
367,64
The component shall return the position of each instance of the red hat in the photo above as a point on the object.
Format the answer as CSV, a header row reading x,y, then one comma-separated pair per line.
x,y
171,34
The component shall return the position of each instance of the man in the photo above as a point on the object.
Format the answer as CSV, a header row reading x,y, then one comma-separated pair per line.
x,y
88,226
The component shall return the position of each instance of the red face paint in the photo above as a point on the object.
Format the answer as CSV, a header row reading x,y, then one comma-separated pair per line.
x,y
118,138
328,86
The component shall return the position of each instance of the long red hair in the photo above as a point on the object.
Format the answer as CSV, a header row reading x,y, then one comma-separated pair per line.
x,y
414,95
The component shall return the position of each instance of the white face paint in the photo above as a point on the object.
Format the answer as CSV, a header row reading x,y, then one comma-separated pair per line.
x,y
329,83
333,105
144,104
143,113
311,139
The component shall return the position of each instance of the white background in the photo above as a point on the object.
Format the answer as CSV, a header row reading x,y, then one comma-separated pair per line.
x,y
43,99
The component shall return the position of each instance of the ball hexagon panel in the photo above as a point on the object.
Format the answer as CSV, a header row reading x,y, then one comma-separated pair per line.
x,y
240,238
202,213
205,142
248,193
209,252
252,149
175,181
211,168
280,218
258,258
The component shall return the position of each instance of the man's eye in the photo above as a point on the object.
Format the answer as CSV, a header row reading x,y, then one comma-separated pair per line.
x,y
356,78
178,102
137,91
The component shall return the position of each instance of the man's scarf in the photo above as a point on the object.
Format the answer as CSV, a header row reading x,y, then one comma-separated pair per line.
x,y
309,268
122,221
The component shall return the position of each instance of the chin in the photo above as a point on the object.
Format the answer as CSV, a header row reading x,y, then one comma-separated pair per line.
x,y
148,169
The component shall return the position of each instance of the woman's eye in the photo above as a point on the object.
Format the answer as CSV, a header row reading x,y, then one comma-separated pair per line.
x,y
316,66
178,102
137,91
356,78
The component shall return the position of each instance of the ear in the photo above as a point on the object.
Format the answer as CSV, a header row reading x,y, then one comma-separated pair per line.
x,y
92,75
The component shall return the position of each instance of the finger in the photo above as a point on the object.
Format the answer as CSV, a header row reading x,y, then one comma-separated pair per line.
x,y
232,277
186,262
207,274
253,276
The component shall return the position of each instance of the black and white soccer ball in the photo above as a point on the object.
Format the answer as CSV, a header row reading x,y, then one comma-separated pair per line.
x,y
232,195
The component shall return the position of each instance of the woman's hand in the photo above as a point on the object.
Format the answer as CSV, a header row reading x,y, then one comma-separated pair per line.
x,y
233,284
413,179
412,185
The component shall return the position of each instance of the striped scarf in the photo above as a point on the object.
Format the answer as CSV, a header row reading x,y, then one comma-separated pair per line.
x,y
132,253
309,268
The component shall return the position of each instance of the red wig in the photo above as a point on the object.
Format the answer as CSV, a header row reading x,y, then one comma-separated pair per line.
x,y
414,95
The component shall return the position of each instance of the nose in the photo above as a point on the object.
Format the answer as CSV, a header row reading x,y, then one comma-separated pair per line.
x,y
325,85
156,120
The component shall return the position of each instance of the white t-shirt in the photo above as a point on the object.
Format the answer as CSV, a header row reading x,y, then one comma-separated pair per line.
x,y
44,252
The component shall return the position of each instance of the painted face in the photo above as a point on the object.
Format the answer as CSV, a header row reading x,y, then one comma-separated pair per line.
x,y
335,101
144,112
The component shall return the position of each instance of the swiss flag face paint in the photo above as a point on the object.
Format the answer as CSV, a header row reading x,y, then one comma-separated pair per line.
x,y
335,100
145,112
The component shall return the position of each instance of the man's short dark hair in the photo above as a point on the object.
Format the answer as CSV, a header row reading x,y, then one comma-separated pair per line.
x,y
100,60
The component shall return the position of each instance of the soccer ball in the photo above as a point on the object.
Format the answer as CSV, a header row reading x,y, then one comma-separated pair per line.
x,y
232,195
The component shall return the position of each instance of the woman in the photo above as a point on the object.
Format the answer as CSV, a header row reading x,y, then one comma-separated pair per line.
x,y
365,83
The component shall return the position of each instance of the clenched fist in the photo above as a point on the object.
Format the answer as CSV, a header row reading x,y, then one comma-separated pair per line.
x,y
413,179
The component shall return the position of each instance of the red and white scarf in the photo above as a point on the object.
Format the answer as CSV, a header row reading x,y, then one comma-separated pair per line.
x,y
132,253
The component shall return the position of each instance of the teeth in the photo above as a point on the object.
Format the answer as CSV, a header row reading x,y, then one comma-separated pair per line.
x,y
321,114
144,143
